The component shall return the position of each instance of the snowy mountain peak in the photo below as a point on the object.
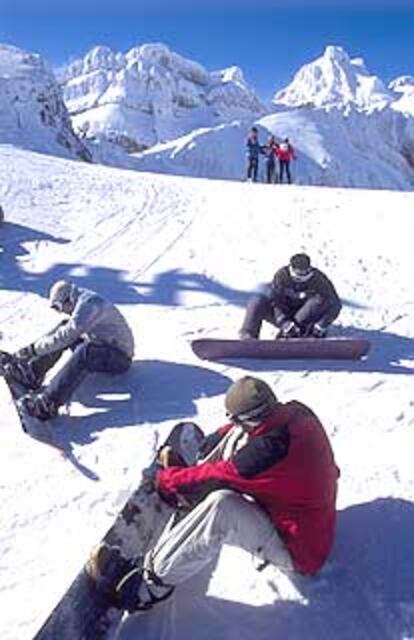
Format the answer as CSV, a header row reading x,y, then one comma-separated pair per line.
x,y
232,74
402,84
403,88
151,94
32,112
334,52
334,80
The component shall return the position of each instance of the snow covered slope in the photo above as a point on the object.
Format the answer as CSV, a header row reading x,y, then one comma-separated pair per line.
x,y
151,94
32,112
181,257
355,150
334,80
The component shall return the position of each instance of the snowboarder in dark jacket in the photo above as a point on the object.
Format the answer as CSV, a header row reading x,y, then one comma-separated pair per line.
x,y
254,149
95,332
265,482
300,301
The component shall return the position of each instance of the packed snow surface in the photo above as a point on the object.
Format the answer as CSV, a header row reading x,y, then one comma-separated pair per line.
x,y
181,256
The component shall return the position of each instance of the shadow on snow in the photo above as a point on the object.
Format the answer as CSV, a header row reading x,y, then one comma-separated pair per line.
x,y
387,355
152,391
365,592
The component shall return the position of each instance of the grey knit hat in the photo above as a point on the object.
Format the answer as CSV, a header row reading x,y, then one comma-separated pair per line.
x,y
249,399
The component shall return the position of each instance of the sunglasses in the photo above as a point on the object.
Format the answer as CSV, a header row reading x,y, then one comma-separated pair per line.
x,y
59,304
243,418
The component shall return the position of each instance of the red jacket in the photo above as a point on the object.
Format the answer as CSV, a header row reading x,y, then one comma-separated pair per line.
x,y
286,152
288,466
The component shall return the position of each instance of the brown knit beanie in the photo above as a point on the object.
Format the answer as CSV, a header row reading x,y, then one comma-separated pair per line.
x,y
249,398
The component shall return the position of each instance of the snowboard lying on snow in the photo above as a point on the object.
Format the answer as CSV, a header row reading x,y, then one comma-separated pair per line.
x,y
84,613
299,348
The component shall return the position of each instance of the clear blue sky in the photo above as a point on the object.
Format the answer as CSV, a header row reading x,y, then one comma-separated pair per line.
x,y
269,39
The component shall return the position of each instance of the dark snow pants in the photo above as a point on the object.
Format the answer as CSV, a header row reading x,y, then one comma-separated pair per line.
x,y
276,311
284,167
87,357
270,170
252,168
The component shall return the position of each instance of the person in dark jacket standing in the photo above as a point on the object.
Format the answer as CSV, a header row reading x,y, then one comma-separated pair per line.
x,y
300,301
266,482
285,153
254,149
270,150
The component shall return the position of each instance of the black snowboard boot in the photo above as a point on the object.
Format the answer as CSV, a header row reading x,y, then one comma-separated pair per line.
x,y
318,331
289,329
22,373
125,584
39,405
106,567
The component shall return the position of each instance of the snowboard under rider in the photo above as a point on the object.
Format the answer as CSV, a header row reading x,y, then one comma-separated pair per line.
x,y
265,482
300,301
95,332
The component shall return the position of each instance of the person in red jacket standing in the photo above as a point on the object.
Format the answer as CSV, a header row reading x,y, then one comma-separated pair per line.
x,y
285,153
265,482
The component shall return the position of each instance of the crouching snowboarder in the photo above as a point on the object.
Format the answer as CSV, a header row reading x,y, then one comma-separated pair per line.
x,y
96,333
300,301
265,482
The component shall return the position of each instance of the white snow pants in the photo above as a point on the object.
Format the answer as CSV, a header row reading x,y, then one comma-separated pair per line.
x,y
222,517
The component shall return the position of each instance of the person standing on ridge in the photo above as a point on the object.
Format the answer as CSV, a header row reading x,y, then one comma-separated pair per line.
x,y
95,332
270,150
254,149
300,301
285,153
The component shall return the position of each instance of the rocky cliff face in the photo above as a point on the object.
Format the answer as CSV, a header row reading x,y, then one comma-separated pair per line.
x,y
32,111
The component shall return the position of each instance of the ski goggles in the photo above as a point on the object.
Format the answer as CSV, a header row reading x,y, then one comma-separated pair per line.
x,y
253,415
58,305
300,275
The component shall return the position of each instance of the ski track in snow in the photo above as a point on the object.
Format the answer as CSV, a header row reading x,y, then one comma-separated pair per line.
x,y
181,257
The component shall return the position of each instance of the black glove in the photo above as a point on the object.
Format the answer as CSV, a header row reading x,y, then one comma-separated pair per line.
x,y
27,353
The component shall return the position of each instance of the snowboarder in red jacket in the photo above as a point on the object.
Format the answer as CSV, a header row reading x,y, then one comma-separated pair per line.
x,y
285,152
265,482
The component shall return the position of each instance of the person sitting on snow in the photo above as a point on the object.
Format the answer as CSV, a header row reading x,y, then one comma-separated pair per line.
x,y
265,482
96,333
300,301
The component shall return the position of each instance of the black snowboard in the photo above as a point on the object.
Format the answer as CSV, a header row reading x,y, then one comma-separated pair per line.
x,y
38,429
297,348
84,613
